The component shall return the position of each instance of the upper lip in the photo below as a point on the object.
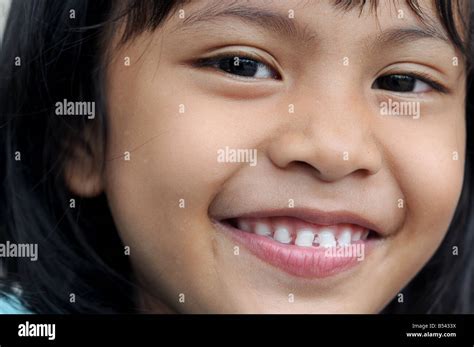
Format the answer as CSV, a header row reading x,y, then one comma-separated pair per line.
x,y
314,216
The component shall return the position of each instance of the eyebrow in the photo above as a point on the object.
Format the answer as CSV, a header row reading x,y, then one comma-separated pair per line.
x,y
275,22
399,36
280,24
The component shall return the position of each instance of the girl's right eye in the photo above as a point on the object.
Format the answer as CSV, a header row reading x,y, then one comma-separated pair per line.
x,y
240,66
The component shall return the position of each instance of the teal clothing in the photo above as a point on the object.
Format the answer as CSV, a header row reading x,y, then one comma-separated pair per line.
x,y
11,305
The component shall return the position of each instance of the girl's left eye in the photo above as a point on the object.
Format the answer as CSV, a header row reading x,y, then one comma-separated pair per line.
x,y
402,84
240,66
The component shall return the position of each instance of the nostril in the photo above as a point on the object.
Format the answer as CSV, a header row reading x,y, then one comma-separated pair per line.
x,y
305,167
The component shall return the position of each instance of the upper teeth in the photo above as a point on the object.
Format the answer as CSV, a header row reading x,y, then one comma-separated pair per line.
x,y
327,238
356,236
345,237
263,229
305,236
282,235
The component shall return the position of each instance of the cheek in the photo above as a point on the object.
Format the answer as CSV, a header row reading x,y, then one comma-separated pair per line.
x,y
428,163
159,198
175,133
431,176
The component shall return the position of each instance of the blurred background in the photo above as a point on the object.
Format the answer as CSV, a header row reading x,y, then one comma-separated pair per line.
x,y
4,6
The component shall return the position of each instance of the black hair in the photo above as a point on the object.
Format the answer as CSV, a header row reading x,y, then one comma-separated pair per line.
x,y
80,253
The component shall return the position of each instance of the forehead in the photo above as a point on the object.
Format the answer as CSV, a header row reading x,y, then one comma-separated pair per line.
x,y
423,9
302,20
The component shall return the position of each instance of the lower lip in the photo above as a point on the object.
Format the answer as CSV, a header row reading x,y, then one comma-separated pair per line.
x,y
307,262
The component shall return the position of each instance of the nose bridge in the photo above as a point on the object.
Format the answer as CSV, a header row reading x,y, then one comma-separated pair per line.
x,y
331,101
338,123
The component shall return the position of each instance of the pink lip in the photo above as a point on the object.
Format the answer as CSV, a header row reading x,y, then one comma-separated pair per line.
x,y
295,260
306,262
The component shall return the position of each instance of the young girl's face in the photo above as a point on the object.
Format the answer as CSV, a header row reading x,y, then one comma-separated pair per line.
x,y
357,123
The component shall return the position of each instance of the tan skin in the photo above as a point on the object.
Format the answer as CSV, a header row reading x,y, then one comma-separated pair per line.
x,y
173,156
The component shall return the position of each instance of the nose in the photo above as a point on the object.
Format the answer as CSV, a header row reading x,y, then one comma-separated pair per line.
x,y
334,139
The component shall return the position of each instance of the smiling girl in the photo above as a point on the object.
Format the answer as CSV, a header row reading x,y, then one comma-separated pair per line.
x,y
348,208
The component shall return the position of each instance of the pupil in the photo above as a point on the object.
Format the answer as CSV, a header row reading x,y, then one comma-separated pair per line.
x,y
397,83
243,67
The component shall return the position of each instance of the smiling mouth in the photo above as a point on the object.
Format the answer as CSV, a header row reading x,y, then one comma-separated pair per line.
x,y
310,245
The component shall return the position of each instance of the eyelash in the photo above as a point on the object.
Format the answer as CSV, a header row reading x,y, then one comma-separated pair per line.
x,y
213,61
